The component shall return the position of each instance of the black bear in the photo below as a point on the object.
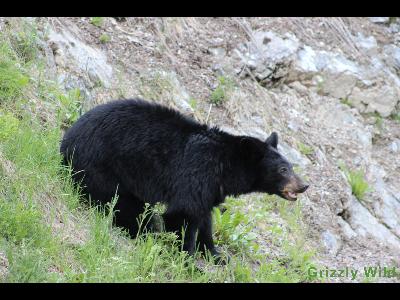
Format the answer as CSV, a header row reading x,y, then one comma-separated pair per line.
x,y
148,153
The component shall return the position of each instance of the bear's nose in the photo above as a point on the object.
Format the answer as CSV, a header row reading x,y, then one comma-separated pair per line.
x,y
303,188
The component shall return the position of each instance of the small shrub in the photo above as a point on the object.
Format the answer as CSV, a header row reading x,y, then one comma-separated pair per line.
x,y
70,106
234,230
359,186
104,38
193,103
8,125
12,79
97,21
26,265
304,149
21,222
24,41
396,117
346,101
218,96
379,121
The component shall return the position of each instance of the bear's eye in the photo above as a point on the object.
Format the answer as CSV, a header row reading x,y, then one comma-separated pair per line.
x,y
283,170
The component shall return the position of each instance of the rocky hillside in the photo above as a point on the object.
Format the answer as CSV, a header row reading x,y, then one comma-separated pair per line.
x,y
329,86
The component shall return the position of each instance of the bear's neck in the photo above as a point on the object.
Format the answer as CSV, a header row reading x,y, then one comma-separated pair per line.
x,y
237,177
236,182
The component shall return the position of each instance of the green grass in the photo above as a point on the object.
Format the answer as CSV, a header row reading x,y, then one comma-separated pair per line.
x,y
49,235
359,186
69,106
193,103
347,102
378,119
396,117
219,94
104,38
304,149
97,21
12,78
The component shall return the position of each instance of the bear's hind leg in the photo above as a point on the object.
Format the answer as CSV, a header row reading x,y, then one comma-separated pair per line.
x,y
128,211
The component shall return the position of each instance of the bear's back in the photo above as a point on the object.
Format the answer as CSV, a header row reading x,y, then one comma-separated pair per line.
x,y
123,127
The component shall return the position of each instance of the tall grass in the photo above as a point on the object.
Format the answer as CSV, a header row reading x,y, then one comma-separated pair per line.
x,y
356,179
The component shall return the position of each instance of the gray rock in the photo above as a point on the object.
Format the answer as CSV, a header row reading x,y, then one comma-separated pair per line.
x,y
346,229
273,59
365,224
381,98
379,20
331,242
392,55
73,52
387,206
179,94
343,78
268,56
394,146
367,43
309,60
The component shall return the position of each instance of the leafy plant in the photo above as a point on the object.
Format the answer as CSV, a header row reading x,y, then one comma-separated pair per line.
x,y
70,106
304,149
346,101
97,21
8,125
233,229
359,186
396,117
218,96
24,41
12,78
193,103
104,38
379,121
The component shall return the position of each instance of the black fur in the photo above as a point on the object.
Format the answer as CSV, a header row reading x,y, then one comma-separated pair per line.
x,y
155,154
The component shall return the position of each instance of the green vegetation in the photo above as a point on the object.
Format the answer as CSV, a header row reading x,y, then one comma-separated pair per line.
x,y
304,149
104,38
359,186
48,235
193,103
233,229
378,119
219,95
155,86
97,21
12,79
346,101
396,117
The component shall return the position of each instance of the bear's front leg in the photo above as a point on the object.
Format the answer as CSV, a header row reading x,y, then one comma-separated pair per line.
x,y
176,222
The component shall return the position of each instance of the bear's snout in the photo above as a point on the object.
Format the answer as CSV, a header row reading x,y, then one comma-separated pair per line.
x,y
303,188
293,187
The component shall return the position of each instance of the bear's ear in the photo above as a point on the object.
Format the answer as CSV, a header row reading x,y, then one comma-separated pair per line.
x,y
272,140
251,149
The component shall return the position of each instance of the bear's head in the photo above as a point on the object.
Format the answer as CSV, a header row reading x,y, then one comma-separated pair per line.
x,y
273,172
